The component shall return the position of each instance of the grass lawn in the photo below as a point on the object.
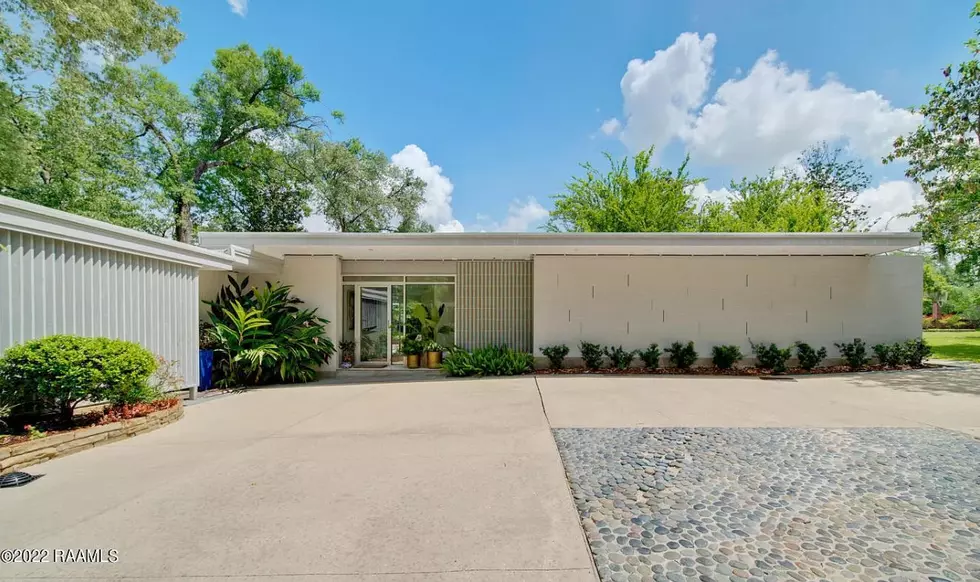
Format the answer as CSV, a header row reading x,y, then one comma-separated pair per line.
x,y
954,345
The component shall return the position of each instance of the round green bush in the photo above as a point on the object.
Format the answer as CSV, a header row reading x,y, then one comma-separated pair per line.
x,y
57,372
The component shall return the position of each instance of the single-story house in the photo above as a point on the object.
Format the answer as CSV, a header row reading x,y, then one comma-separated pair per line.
x,y
530,290
62,273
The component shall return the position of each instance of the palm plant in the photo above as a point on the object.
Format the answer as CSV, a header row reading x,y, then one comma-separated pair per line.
x,y
430,325
246,343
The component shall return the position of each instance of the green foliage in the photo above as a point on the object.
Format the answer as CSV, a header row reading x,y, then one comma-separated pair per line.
x,y
357,189
206,339
809,358
651,356
57,372
591,354
646,200
621,359
855,353
62,144
724,357
771,356
412,347
556,355
889,354
429,324
347,349
681,355
487,361
943,157
264,337
841,179
769,204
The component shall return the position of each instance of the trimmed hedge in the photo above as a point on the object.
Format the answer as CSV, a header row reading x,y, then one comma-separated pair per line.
x,y
57,372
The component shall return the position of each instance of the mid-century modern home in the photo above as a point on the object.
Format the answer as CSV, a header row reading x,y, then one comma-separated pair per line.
x,y
65,273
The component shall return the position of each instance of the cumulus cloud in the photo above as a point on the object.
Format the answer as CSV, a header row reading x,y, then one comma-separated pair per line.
x,y
890,199
752,123
704,194
437,208
659,94
610,126
239,7
522,216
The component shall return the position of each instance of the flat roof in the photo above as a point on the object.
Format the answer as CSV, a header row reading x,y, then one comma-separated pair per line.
x,y
34,219
496,245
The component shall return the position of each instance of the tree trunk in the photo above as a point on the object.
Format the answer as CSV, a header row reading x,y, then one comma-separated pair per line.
x,y
184,227
935,311
66,412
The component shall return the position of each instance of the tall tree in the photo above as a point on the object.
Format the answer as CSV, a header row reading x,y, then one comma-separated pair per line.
x,y
842,179
245,97
644,200
357,189
770,203
60,145
943,157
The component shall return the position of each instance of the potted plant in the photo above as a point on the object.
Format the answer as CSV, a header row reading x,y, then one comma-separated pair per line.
x,y
412,348
433,354
206,343
347,348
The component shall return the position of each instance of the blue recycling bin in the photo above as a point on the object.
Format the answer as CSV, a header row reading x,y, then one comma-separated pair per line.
x,y
206,361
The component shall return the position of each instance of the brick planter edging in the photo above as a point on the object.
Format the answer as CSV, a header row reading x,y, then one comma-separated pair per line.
x,y
20,455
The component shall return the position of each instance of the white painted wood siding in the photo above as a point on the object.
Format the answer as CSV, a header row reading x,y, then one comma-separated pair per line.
x,y
50,286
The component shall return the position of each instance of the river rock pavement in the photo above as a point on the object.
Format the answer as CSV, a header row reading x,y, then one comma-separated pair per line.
x,y
776,504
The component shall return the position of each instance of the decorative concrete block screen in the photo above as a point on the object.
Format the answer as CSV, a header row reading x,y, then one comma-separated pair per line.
x,y
494,303
633,301
50,286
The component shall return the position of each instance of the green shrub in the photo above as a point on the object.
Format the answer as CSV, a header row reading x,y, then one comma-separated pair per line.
x,y
651,356
889,354
771,356
682,355
556,355
592,354
915,351
487,361
620,358
724,357
57,372
855,353
808,357
265,338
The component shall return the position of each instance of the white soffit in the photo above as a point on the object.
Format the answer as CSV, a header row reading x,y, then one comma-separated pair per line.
x,y
437,246
36,220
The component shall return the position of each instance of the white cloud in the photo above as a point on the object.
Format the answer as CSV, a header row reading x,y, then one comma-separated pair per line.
x,y
610,126
659,94
888,200
704,194
521,217
762,120
437,208
239,7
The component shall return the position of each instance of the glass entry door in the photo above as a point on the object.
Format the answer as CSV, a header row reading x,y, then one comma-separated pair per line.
x,y
373,342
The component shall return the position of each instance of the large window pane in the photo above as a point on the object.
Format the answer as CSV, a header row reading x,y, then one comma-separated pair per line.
x,y
397,322
431,308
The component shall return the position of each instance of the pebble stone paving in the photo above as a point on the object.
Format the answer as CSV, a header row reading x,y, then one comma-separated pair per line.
x,y
773,505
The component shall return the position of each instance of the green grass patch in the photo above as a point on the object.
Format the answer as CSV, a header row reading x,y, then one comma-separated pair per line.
x,y
954,345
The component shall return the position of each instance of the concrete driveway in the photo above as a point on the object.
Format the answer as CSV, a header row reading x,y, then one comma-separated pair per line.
x,y
444,480
409,481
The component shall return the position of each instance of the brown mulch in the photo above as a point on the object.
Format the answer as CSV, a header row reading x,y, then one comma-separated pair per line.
x,y
747,371
105,416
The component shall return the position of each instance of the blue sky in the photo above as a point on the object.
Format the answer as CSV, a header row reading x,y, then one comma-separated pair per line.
x,y
496,104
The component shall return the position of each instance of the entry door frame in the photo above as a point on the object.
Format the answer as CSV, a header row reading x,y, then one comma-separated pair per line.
x,y
357,317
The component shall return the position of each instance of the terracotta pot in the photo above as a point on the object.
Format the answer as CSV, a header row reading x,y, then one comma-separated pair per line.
x,y
433,359
412,360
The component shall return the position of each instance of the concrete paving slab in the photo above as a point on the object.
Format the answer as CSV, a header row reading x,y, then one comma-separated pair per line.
x,y
438,481
948,398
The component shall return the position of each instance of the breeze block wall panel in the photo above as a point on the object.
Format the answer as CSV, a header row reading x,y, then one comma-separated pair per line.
x,y
634,301
493,303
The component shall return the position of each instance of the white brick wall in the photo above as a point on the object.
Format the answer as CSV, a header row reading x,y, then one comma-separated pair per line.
x,y
634,301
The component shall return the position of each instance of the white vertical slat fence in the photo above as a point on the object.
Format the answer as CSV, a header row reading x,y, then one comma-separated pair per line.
x,y
50,286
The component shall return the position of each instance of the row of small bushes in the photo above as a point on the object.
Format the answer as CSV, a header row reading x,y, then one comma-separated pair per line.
x,y
948,321
487,361
768,356
55,373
